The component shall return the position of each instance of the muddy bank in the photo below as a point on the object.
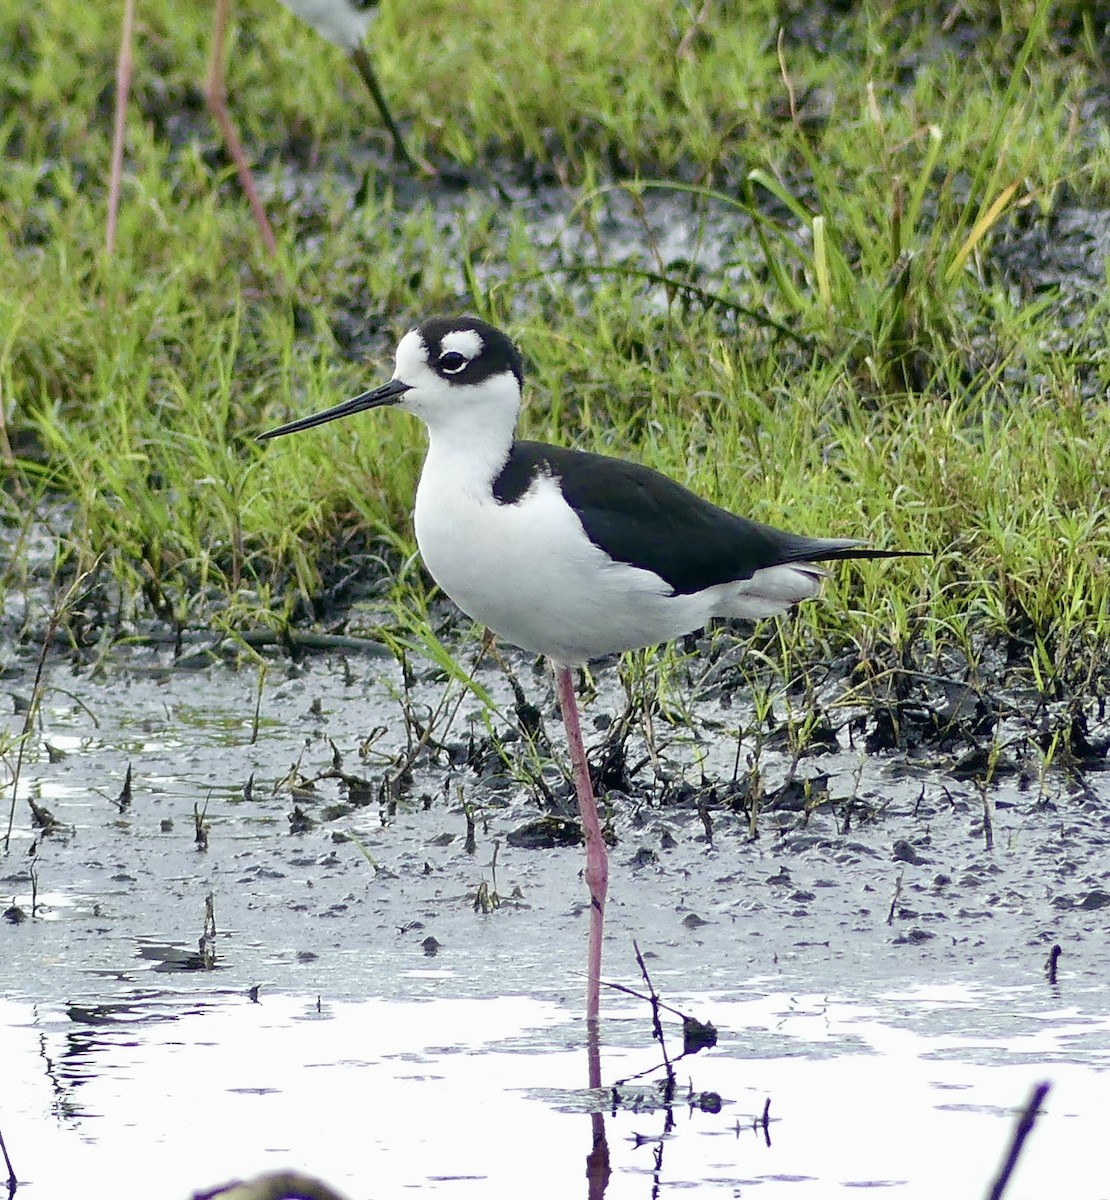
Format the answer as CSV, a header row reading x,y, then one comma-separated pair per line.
x,y
346,858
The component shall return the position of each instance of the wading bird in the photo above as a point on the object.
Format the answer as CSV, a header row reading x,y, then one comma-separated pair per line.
x,y
569,554
342,22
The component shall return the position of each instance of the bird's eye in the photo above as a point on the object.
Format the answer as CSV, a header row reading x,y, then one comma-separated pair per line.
x,y
452,362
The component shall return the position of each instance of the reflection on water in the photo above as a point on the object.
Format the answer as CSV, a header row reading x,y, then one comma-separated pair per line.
x,y
164,1093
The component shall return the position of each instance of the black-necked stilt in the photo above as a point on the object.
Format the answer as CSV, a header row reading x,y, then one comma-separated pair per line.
x,y
342,22
569,554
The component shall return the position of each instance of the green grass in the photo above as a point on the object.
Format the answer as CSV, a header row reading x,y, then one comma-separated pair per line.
x,y
859,362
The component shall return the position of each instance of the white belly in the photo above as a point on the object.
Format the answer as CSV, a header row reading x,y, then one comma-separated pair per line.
x,y
528,572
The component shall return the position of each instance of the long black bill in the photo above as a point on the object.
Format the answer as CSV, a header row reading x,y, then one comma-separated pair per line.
x,y
388,393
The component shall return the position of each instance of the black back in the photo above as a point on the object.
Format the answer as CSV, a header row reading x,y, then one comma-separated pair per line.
x,y
641,517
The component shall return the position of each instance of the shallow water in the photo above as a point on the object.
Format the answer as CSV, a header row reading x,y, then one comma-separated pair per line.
x,y
894,1012
912,1092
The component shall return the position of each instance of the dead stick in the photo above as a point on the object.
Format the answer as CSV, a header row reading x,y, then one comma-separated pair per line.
x,y
1021,1132
13,1183
895,898
656,1024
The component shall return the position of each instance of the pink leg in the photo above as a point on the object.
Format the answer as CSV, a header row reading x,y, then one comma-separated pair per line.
x,y
215,93
597,1161
123,88
597,862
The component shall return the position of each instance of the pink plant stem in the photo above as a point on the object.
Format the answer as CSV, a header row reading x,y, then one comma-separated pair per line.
x,y
124,67
215,93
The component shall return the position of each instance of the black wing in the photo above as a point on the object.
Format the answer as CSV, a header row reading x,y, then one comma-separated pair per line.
x,y
641,517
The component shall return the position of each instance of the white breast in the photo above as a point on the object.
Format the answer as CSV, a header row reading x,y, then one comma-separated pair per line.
x,y
528,572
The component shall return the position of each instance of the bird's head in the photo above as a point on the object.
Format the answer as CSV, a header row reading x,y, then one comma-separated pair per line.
x,y
450,372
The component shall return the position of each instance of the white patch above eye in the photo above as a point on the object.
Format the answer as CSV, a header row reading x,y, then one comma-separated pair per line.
x,y
411,357
467,342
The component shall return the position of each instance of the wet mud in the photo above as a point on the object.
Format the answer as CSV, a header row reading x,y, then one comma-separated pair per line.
x,y
365,831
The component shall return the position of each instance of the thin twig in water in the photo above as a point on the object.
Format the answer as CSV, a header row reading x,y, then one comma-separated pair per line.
x,y
1050,964
471,844
207,940
764,1121
200,825
36,691
988,826
620,987
258,705
1017,1140
895,898
13,1182
656,1024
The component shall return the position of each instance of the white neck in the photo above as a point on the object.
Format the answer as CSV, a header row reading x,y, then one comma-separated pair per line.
x,y
470,434
468,463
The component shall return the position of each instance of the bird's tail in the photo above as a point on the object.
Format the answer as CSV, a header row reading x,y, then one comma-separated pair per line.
x,y
815,550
